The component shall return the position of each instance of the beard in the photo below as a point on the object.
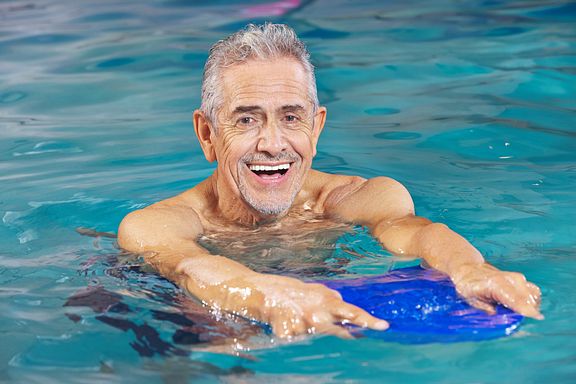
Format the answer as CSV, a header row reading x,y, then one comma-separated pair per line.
x,y
271,204
269,201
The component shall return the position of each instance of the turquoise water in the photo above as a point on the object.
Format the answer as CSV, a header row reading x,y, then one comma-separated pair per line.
x,y
470,104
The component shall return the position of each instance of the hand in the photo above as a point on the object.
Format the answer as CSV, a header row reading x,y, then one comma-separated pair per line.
x,y
483,286
293,307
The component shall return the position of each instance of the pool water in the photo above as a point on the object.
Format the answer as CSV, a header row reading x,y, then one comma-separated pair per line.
x,y
472,105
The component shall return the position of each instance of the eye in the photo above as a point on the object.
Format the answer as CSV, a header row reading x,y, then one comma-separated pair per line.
x,y
246,120
291,118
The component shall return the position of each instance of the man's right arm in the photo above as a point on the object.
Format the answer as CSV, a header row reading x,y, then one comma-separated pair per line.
x,y
165,235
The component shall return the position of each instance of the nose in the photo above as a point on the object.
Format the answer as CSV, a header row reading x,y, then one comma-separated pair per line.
x,y
272,139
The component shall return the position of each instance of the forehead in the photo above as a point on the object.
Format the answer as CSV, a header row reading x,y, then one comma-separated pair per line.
x,y
267,84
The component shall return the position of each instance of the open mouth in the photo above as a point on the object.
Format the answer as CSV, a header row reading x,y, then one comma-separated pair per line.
x,y
270,171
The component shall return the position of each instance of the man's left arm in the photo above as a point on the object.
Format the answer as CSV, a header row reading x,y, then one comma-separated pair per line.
x,y
386,208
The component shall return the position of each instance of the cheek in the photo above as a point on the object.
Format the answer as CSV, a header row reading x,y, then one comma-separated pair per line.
x,y
302,142
233,147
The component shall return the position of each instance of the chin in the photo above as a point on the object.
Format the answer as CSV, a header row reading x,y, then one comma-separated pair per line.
x,y
274,207
272,210
271,205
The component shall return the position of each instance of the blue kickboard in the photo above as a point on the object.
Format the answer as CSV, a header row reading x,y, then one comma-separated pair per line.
x,y
422,306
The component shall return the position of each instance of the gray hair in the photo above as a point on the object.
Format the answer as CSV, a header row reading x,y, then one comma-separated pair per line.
x,y
255,42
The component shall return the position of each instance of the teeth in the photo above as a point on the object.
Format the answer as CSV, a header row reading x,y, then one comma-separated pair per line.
x,y
269,167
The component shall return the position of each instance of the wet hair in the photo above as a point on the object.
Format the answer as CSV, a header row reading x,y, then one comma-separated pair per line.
x,y
254,42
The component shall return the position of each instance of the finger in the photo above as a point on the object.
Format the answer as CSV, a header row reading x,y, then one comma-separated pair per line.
x,y
332,293
535,293
297,325
343,311
288,326
482,305
333,329
351,314
280,329
518,298
322,322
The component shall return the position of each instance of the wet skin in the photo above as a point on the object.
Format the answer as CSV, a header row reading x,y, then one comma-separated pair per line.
x,y
295,248
264,141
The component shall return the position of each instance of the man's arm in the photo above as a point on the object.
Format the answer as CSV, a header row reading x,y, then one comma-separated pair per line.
x,y
385,206
166,237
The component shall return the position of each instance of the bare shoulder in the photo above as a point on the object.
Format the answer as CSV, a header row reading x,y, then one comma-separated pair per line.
x,y
322,187
352,197
386,188
164,223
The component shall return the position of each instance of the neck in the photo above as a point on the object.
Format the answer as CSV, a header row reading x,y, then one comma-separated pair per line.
x,y
232,208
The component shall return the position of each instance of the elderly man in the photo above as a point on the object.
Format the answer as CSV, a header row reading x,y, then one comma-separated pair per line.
x,y
260,121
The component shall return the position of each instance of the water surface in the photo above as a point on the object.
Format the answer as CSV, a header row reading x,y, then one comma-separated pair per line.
x,y
469,104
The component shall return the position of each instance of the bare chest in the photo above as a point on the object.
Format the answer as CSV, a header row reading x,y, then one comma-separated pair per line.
x,y
294,246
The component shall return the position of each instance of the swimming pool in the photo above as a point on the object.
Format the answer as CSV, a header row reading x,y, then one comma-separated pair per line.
x,y
469,104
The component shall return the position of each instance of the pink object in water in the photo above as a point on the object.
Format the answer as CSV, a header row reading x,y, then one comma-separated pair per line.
x,y
277,8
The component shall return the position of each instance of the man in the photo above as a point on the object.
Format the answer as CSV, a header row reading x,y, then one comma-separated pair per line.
x,y
260,121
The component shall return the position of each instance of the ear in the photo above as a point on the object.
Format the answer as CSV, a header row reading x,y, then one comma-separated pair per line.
x,y
203,130
319,121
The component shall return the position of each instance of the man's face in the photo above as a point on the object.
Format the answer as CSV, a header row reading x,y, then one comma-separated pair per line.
x,y
267,132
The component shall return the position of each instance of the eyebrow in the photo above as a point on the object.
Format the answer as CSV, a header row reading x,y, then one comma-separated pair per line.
x,y
292,108
246,108
256,108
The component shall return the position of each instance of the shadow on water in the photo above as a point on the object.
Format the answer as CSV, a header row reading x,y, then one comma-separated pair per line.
x,y
174,327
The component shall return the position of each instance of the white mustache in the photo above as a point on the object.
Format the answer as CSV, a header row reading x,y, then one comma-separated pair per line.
x,y
261,157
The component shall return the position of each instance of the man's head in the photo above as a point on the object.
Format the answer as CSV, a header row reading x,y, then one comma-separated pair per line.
x,y
260,118
255,42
